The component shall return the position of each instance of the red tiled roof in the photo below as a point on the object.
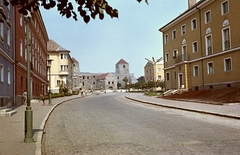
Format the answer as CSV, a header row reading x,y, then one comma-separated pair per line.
x,y
121,62
148,64
102,76
53,46
74,60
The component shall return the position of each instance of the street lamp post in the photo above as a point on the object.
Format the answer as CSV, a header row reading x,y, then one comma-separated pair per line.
x,y
28,112
153,62
49,64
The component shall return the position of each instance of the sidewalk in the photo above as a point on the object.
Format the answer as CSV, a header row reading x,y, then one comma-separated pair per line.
x,y
230,111
12,128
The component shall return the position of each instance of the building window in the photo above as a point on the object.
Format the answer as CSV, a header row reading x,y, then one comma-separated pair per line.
x,y
194,24
183,29
226,39
9,76
166,38
1,30
21,84
173,34
64,56
227,64
166,57
58,83
1,73
184,53
210,68
207,17
168,76
195,70
25,53
33,62
225,8
64,67
209,49
9,7
8,36
87,77
175,75
123,66
194,47
21,48
20,20
112,82
159,77
159,70
174,54
108,82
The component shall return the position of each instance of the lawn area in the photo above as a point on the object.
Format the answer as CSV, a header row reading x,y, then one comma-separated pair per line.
x,y
153,93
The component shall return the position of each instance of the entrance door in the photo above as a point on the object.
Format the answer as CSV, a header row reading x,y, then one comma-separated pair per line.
x,y
180,80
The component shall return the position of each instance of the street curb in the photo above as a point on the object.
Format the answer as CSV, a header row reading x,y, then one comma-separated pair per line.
x,y
186,109
41,132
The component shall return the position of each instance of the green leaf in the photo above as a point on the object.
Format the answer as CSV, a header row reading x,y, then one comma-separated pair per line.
x,y
86,18
101,16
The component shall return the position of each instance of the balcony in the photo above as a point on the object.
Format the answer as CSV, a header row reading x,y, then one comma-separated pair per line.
x,y
182,58
63,73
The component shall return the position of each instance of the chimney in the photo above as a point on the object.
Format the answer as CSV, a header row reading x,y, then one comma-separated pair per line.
x,y
191,3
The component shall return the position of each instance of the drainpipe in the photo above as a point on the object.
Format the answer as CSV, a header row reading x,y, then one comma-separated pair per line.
x,y
14,63
200,32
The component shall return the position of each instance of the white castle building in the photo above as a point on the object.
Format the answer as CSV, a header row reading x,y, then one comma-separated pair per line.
x,y
108,80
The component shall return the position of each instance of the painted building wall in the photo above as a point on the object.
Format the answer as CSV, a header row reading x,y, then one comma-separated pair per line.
x,y
6,56
38,55
61,68
191,68
154,72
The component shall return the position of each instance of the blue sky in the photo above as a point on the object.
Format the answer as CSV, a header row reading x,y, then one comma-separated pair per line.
x,y
100,44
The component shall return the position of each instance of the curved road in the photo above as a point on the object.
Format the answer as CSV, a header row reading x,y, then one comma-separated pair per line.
x,y
109,124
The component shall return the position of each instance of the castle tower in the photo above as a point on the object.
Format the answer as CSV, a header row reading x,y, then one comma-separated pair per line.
x,y
122,67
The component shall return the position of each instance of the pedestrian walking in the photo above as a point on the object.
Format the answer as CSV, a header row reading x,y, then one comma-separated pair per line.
x,y
25,97
43,99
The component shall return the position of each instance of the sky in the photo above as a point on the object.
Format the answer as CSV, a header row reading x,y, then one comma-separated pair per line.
x,y
100,44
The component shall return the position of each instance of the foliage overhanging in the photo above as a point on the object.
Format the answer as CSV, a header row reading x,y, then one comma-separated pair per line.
x,y
87,9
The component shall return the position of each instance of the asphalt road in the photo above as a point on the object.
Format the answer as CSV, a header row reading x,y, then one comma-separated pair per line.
x,y
110,124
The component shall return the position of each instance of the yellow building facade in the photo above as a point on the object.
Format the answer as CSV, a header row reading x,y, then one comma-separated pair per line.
x,y
61,66
202,46
154,72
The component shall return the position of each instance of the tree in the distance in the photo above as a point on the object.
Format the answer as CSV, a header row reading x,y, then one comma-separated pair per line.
x,y
125,79
87,9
